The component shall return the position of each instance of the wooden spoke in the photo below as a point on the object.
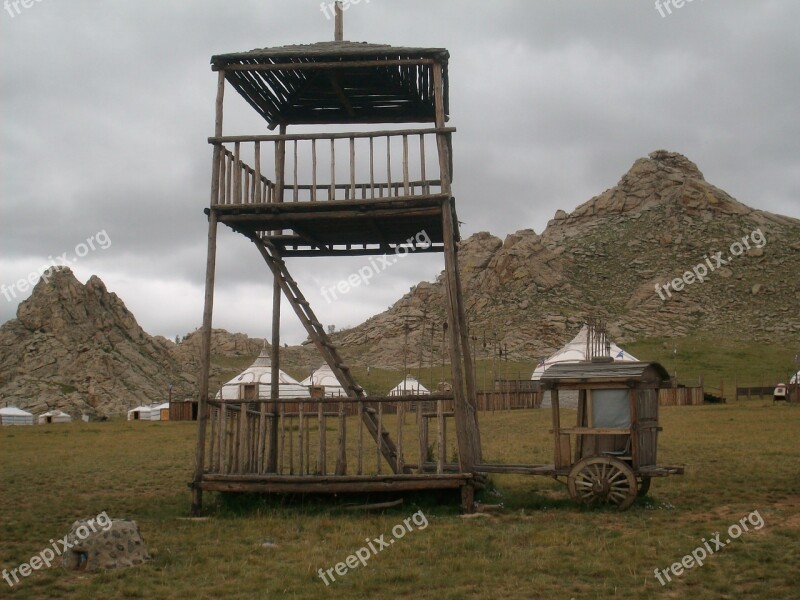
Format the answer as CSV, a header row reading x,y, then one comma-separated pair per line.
x,y
601,480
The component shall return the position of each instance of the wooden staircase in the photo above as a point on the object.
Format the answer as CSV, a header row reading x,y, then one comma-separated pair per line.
x,y
326,347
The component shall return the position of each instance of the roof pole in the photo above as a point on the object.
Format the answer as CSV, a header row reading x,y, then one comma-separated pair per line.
x,y
338,33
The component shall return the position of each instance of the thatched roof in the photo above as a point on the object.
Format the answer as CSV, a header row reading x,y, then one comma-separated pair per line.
x,y
337,82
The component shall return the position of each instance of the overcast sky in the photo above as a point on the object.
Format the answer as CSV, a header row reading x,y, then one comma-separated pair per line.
x,y
105,107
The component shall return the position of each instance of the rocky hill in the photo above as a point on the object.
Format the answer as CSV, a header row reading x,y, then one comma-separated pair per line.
x,y
661,221
78,348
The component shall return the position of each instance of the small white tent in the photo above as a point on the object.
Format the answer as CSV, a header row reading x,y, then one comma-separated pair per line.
x,y
795,379
324,376
409,386
54,416
140,413
575,351
11,415
260,372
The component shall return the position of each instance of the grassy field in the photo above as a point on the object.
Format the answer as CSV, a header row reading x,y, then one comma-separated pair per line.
x,y
740,458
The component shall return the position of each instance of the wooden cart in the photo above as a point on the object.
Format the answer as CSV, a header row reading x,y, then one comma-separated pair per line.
x,y
609,456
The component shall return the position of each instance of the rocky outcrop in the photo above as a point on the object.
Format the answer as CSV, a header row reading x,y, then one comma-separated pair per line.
x,y
77,348
531,292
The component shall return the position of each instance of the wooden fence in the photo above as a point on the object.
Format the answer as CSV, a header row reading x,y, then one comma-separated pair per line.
x,y
681,396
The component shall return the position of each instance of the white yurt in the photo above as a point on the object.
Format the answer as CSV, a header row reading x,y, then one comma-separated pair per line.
x,y
260,372
54,416
11,415
575,351
140,413
325,377
795,379
409,386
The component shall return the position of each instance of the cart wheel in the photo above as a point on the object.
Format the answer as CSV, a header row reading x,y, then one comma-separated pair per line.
x,y
602,480
644,486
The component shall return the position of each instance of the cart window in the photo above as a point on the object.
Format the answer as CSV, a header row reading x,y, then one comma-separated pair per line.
x,y
611,408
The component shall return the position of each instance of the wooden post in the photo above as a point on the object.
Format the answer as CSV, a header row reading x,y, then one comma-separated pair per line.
x,y
321,432
275,359
341,455
557,458
338,34
208,309
467,433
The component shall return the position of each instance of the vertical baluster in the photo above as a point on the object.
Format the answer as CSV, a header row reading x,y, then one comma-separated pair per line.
x,y
295,188
221,432
228,178
332,192
221,188
301,436
314,170
352,168
257,178
291,445
231,439
401,417
371,167
425,188
388,165
440,436
237,185
341,455
406,190
243,441
322,467
308,444
282,427
252,186
380,438
210,462
360,438
423,438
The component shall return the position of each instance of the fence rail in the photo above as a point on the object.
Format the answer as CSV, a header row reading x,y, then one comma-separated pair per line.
x,y
336,166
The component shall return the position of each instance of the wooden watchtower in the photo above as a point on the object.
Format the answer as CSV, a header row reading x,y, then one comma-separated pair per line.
x,y
369,192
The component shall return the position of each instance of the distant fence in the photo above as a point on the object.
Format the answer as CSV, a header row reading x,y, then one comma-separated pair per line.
x,y
759,391
510,394
792,394
681,396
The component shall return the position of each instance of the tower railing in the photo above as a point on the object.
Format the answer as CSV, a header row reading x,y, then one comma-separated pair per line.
x,y
322,167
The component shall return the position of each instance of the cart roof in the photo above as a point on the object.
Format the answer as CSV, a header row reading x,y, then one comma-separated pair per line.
x,y
609,372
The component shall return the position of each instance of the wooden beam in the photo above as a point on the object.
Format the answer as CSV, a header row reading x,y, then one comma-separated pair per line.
x,y
295,66
230,139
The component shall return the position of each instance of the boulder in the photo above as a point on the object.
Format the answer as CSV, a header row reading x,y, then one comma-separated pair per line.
x,y
99,544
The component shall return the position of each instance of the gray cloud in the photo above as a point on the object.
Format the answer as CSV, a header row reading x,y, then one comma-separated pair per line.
x,y
105,108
